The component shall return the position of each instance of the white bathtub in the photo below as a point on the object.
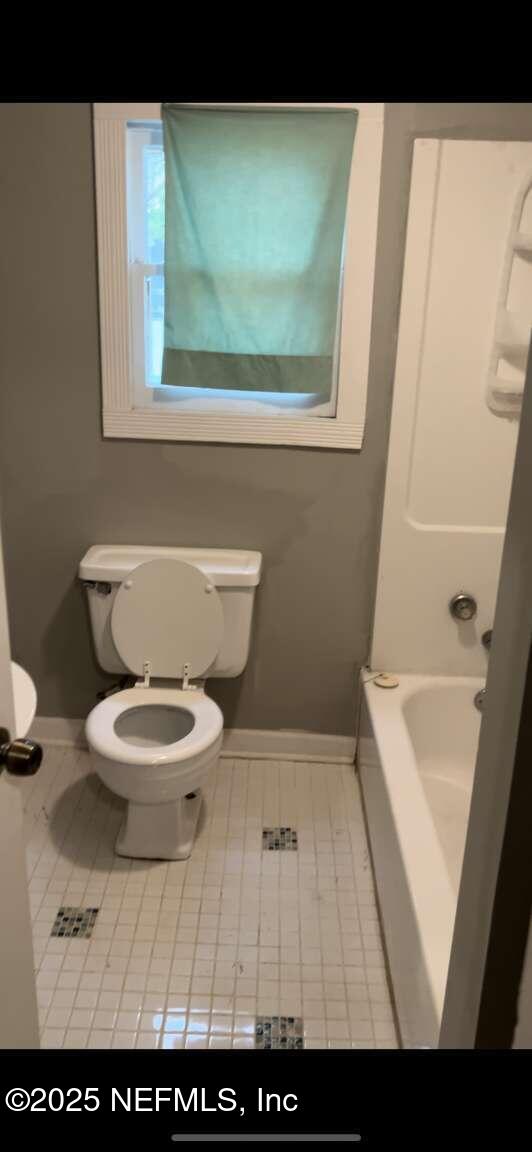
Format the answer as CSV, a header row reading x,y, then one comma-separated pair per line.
x,y
416,757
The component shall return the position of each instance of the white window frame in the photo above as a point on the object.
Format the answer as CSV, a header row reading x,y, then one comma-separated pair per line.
x,y
123,415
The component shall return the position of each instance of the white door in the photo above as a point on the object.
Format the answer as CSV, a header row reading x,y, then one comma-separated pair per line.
x,y
19,1026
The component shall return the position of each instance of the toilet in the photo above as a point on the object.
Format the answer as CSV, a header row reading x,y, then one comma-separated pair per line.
x,y
171,618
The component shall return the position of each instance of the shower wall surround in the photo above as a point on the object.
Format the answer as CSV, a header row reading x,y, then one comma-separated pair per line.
x,y
451,458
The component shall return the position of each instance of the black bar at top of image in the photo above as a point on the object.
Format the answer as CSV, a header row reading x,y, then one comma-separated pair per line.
x,y
269,1137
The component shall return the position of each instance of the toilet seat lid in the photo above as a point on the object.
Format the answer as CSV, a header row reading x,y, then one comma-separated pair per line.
x,y
169,614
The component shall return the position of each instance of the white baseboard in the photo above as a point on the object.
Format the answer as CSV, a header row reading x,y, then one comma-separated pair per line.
x,y
271,744
239,743
60,731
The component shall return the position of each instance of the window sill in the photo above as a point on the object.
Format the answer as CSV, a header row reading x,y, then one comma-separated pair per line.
x,y
307,431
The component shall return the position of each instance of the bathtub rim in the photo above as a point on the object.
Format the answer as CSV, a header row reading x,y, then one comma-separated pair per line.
x,y
433,903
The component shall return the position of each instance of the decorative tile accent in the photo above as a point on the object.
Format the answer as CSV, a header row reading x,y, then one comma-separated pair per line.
x,y
278,1032
74,922
279,840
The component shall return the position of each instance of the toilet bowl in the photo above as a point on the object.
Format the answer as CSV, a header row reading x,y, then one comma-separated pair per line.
x,y
157,613
155,747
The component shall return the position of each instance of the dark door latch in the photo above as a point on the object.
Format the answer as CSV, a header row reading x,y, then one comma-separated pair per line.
x,y
19,757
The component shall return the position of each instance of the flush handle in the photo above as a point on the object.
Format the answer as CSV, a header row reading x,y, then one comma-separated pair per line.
x,y
463,606
19,757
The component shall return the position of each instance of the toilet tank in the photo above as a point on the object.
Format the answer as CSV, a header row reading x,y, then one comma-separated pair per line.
x,y
235,575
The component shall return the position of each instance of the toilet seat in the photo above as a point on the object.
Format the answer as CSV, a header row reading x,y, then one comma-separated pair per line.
x,y
101,734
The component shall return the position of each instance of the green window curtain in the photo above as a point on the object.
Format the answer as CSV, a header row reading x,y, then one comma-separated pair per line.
x,y
255,205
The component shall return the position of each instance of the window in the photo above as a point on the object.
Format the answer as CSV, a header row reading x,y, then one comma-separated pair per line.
x,y
145,233
130,185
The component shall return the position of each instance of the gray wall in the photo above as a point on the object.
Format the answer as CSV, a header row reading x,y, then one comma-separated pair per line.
x,y
314,514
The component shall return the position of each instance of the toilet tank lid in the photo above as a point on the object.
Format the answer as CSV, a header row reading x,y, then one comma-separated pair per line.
x,y
227,568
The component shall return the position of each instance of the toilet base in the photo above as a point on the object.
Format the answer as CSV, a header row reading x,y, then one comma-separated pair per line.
x,y
160,831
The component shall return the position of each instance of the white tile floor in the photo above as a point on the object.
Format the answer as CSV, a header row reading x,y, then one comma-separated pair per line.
x,y
188,954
